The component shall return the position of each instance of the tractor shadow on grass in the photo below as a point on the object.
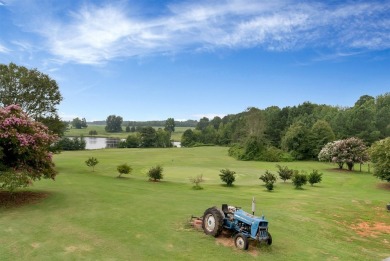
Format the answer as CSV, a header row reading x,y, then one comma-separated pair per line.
x,y
20,198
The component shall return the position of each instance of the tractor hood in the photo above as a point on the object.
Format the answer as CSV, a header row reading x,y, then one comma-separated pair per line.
x,y
250,219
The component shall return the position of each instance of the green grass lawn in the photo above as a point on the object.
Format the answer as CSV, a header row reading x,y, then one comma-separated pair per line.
x,y
176,136
96,216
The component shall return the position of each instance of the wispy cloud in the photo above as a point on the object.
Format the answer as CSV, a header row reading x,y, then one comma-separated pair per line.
x,y
3,49
94,34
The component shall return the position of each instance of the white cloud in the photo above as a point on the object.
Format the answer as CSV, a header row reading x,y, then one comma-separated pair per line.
x,y
210,116
68,117
95,34
3,49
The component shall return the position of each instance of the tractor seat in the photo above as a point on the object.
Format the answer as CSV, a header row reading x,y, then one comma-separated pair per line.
x,y
225,209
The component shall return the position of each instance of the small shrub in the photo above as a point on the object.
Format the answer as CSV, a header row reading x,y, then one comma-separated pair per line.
x,y
155,173
92,162
123,169
92,132
314,177
227,176
299,179
269,186
284,172
196,181
268,177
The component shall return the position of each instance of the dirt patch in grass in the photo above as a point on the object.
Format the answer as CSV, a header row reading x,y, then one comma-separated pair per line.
x,y
385,186
366,229
20,198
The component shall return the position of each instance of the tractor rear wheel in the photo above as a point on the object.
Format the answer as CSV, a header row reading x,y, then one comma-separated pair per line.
x,y
241,241
269,240
212,222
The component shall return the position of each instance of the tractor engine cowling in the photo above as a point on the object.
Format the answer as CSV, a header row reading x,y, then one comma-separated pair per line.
x,y
256,224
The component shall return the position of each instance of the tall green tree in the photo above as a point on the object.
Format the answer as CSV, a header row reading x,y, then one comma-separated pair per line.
x,y
274,125
132,141
255,123
84,123
76,123
209,135
361,120
380,156
295,141
203,123
148,137
215,122
35,92
225,133
188,139
54,123
382,107
163,138
114,123
321,133
170,125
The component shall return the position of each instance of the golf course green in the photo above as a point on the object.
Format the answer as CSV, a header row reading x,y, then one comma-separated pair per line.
x,y
93,215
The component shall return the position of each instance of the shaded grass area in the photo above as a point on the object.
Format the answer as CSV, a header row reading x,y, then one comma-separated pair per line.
x,y
96,216
20,198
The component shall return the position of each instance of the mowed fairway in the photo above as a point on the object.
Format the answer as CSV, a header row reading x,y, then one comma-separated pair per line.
x,y
96,216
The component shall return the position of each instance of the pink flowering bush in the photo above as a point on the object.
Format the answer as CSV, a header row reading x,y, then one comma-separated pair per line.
x,y
24,149
348,151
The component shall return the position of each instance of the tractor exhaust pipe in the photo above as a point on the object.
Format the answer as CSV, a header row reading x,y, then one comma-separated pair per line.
x,y
253,205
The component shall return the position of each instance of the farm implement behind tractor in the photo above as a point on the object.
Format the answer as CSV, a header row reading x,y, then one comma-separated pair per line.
x,y
244,226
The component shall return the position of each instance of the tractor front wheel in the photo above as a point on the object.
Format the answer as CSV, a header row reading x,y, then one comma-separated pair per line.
x,y
212,222
241,241
269,240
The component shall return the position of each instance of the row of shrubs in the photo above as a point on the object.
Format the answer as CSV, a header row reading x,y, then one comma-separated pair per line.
x,y
228,176
298,178
155,173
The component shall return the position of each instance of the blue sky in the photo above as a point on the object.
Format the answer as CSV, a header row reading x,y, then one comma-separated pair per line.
x,y
151,59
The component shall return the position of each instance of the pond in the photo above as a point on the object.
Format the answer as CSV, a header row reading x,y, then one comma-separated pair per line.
x,y
93,143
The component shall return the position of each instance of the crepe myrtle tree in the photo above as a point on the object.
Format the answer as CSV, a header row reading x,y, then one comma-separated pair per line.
x,y
24,145
348,151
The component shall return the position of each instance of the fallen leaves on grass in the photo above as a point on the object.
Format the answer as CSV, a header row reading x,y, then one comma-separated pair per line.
x,y
385,186
20,198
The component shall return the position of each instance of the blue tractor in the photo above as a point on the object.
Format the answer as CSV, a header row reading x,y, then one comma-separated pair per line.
x,y
244,226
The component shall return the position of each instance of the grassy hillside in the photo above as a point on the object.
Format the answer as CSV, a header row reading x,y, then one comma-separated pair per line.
x,y
176,136
96,216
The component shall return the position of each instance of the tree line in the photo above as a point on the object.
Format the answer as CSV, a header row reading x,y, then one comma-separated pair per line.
x,y
135,124
293,133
